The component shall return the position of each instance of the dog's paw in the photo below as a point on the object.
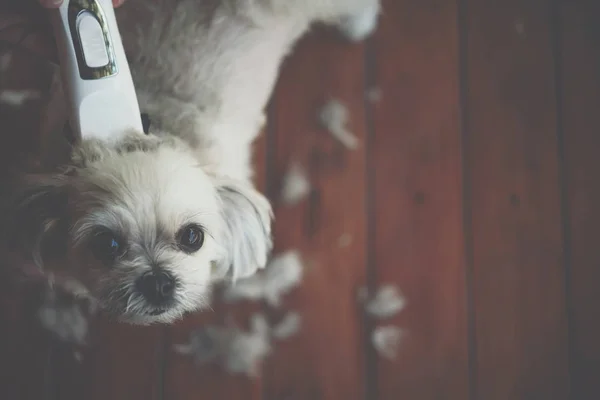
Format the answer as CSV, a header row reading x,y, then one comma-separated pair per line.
x,y
359,26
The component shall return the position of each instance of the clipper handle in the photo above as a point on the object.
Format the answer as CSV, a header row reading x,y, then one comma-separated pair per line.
x,y
95,71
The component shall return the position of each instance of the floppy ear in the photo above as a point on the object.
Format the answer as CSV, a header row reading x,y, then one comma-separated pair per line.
x,y
246,237
34,216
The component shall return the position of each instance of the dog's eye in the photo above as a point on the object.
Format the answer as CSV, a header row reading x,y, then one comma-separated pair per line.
x,y
191,238
106,247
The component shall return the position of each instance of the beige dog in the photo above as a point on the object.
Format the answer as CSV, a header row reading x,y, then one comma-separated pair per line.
x,y
149,223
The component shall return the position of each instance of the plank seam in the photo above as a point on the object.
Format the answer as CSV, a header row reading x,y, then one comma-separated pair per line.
x,y
556,35
370,80
462,20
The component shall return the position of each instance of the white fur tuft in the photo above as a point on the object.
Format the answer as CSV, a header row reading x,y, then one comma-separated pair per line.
x,y
246,234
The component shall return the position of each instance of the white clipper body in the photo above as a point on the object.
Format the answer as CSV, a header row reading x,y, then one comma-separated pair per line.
x,y
95,71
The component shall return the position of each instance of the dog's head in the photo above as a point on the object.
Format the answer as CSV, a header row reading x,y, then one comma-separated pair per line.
x,y
142,226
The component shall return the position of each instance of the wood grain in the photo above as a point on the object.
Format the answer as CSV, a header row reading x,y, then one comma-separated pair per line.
x,y
512,152
325,361
121,362
24,346
579,61
415,165
186,380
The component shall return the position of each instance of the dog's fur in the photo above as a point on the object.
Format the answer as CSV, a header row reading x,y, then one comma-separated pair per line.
x,y
203,70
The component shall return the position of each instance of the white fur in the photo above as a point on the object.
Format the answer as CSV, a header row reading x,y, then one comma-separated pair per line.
x,y
205,69
359,26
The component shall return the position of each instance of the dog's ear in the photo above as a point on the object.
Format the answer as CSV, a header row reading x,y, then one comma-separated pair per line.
x,y
34,215
246,237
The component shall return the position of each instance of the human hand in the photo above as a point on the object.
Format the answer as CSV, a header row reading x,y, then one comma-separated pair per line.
x,y
57,3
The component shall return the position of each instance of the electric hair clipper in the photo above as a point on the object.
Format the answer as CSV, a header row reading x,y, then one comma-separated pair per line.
x,y
94,70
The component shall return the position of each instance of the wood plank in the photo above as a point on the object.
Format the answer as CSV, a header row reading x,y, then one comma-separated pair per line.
x,y
580,87
417,194
27,71
512,153
24,345
325,360
186,380
121,362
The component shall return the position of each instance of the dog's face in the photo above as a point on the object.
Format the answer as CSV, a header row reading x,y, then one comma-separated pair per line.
x,y
144,228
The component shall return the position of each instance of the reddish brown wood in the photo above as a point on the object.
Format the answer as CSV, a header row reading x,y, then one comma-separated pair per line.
x,y
416,170
122,361
186,380
580,86
24,47
24,345
512,151
325,361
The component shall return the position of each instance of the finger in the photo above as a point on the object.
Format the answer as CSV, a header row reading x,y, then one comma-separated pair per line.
x,y
57,3
51,3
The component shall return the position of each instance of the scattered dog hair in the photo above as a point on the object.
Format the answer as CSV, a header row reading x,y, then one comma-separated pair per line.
x,y
386,303
345,240
334,117
5,61
78,356
65,309
374,95
386,341
66,322
288,327
520,26
64,317
72,287
282,274
259,324
296,185
17,98
205,344
236,351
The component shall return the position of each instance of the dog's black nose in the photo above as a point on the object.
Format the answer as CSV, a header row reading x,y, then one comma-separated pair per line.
x,y
157,287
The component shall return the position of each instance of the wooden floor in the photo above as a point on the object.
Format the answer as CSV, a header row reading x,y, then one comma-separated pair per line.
x,y
475,189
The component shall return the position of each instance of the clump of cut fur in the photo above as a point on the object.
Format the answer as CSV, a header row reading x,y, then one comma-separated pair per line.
x,y
288,327
386,302
334,116
5,61
386,341
17,98
345,240
374,95
282,274
235,350
296,185
63,312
